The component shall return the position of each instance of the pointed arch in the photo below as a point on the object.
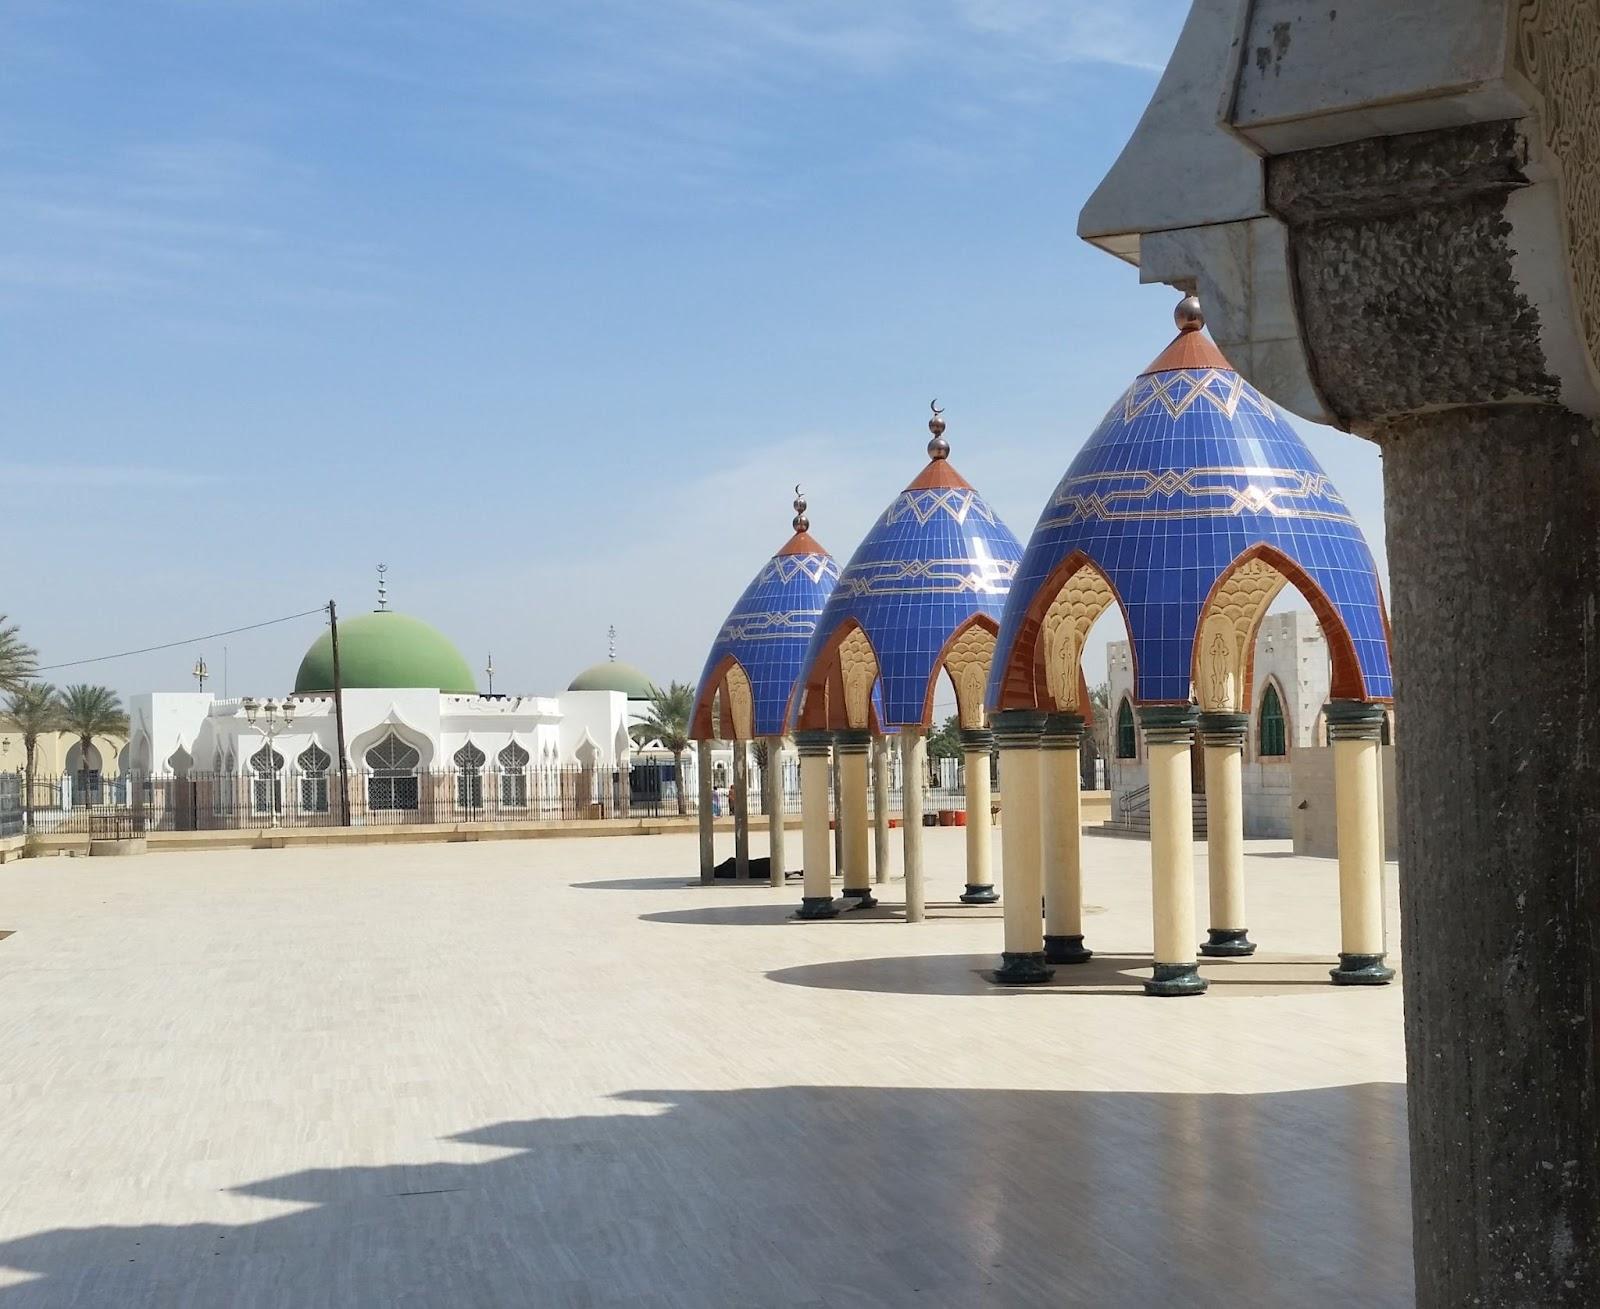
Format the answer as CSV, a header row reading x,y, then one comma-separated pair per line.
x,y
1272,723
1229,602
1043,667
841,682
968,656
1126,744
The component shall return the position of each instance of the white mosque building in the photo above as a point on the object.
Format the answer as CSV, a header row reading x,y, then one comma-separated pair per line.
x,y
422,742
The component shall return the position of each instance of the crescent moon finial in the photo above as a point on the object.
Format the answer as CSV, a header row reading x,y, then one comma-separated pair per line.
x,y
938,448
801,522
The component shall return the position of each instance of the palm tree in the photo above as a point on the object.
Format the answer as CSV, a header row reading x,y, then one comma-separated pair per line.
x,y
667,721
18,660
32,710
88,712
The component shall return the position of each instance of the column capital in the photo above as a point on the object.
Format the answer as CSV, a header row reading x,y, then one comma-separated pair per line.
x,y
1018,729
1168,724
813,744
977,740
1218,728
1354,720
852,740
1062,731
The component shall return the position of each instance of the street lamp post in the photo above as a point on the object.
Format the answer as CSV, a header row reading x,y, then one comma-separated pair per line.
x,y
265,716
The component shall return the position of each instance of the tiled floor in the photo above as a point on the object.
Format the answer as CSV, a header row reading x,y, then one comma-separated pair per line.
x,y
551,1074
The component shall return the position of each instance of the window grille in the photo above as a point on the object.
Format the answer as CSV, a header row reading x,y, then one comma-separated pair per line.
x,y
314,763
266,784
469,761
393,784
513,762
1272,734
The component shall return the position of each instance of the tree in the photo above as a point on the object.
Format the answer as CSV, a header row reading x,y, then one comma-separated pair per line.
x,y
32,710
1102,722
667,721
18,659
944,742
90,711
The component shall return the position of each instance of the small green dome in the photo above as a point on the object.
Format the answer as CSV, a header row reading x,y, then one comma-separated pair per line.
x,y
613,675
385,649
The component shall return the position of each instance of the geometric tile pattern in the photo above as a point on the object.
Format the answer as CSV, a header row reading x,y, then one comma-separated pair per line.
x,y
936,557
769,631
1189,469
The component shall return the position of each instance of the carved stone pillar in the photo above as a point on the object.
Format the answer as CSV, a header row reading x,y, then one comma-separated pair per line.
x,y
776,858
1017,732
880,809
741,810
913,774
1354,730
1169,734
1222,739
708,842
851,747
1061,839
816,750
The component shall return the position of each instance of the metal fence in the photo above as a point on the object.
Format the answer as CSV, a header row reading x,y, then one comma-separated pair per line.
x,y
133,804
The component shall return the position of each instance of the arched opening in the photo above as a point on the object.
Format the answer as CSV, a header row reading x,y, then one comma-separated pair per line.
x,y
313,764
469,762
392,776
513,762
83,766
266,781
1272,734
1127,731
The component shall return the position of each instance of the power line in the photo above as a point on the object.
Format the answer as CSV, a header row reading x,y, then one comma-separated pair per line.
x,y
193,640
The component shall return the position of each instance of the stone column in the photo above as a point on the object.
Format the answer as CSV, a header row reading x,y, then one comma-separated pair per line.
x,y
851,747
816,842
1222,736
1355,730
1061,836
708,844
1168,734
913,775
978,746
880,809
775,815
741,810
1017,731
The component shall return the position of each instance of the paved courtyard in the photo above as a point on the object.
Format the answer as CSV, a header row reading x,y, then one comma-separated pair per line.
x,y
549,1073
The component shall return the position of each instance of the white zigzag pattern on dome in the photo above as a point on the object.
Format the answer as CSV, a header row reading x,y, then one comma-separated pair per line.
x,y
1177,392
1125,503
785,568
928,576
924,504
770,626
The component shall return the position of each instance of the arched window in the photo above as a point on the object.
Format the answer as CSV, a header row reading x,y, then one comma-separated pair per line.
x,y
266,784
1127,733
393,783
469,761
513,762
1272,737
314,763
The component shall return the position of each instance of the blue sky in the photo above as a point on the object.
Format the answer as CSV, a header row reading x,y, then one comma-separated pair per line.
x,y
544,303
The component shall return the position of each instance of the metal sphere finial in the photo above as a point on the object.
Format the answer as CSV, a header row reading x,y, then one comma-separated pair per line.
x,y
938,448
1188,315
801,522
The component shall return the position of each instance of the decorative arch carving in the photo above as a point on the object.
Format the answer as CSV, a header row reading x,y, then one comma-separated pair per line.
x,y
738,703
827,701
1225,645
858,670
1077,607
968,658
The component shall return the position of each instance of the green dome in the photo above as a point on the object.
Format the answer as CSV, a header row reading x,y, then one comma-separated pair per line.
x,y
614,675
385,649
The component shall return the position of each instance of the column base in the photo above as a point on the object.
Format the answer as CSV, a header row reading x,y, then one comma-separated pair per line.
x,y
980,893
1227,943
1022,968
1176,979
1361,970
816,906
861,897
1066,950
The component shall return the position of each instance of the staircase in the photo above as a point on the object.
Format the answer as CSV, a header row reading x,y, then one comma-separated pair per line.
x,y
1130,815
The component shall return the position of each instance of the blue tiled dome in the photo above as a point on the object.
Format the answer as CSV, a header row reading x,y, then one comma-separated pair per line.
x,y
937,557
768,632
1192,469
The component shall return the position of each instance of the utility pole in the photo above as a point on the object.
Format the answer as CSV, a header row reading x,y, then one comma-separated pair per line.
x,y
338,718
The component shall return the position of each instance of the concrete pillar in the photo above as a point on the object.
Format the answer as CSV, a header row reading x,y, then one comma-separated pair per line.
x,y
775,815
851,748
1355,730
816,842
1168,734
1061,839
741,810
1017,732
838,815
913,776
1494,546
978,746
708,844
1222,737
880,809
